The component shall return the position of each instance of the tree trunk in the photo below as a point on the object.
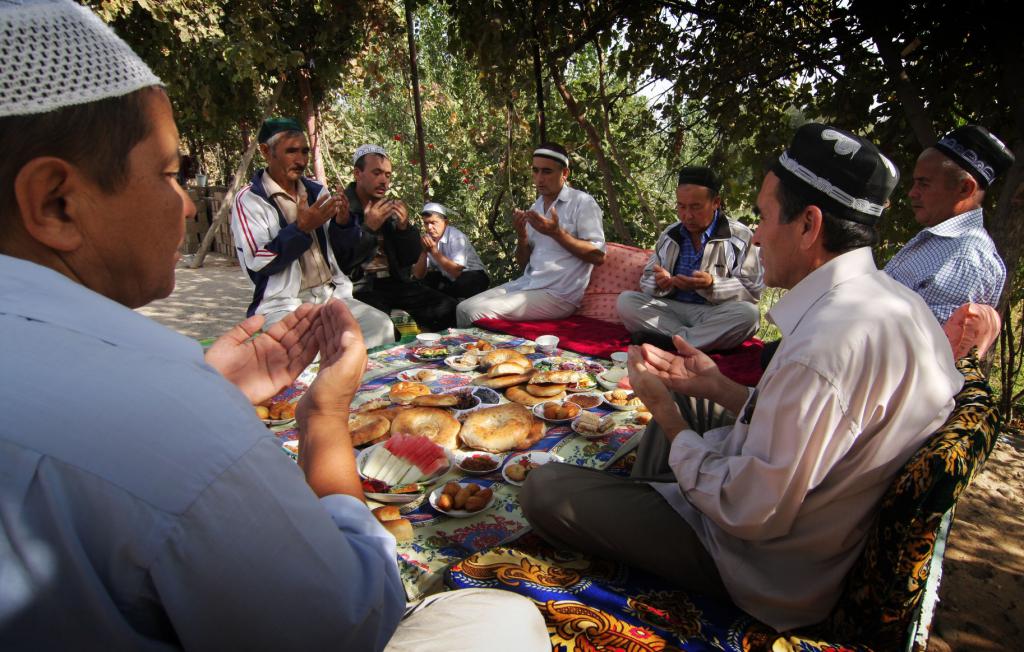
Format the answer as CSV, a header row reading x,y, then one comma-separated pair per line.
x,y
236,183
418,112
906,91
594,138
312,132
542,127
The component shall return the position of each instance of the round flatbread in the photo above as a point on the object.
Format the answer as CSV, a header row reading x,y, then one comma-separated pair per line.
x,y
405,392
520,395
364,427
431,422
505,355
436,400
545,391
505,369
501,382
497,429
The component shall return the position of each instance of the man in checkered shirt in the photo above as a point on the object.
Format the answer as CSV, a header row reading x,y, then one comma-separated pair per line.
x,y
953,261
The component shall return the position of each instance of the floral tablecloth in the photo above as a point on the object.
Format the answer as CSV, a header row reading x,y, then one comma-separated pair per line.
x,y
439,540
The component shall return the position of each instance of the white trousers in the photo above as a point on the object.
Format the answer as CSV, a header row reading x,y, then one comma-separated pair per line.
x,y
519,305
471,620
705,326
376,325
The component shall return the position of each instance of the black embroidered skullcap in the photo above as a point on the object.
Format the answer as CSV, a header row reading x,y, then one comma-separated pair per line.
x,y
839,172
976,150
274,126
700,176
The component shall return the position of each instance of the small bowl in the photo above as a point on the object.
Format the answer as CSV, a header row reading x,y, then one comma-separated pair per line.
x,y
538,411
428,339
494,458
547,343
487,395
619,358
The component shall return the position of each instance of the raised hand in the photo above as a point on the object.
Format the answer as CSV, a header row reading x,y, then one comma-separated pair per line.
x,y
651,389
519,223
429,244
662,278
343,216
342,363
262,366
698,281
377,212
691,372
541,224
311,218
401,214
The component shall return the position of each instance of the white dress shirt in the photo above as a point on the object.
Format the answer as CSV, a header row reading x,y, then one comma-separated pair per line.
x,y
143,505
784,498
552,268
456,247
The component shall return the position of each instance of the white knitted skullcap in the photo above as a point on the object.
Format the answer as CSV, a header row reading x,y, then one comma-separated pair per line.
x,y
56,53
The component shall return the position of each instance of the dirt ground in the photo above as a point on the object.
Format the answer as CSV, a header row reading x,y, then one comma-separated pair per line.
x,y
982,592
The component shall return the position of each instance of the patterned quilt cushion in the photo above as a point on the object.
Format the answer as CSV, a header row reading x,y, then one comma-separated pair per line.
x,y
621,271
591,604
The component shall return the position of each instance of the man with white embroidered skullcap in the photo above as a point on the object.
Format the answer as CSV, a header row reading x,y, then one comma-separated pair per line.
x,y
449,261
558,242
283,224
773,510
142,504
953,261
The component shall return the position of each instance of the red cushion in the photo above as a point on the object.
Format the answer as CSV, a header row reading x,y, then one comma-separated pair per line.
x,y
623,266
599,339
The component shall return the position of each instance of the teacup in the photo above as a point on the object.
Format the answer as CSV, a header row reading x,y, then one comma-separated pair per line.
x,y
547,343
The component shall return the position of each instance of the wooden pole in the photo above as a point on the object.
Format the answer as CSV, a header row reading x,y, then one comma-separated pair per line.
x,y
414,71
225,209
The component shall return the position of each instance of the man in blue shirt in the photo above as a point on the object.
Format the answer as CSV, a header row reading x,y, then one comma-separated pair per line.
x,y
953,261
704,278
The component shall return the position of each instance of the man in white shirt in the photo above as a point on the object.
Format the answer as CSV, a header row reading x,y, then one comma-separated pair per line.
x,y
772,511
142,504
283,225
448,263
558,242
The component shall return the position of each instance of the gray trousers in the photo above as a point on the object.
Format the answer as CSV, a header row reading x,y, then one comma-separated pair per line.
x,y
624,519
705,326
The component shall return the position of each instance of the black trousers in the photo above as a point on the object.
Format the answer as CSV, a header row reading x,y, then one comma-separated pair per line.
x,y
468,284
432,310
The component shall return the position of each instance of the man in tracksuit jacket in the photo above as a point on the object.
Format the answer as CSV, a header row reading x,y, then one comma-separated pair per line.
x,y
282,223
703,280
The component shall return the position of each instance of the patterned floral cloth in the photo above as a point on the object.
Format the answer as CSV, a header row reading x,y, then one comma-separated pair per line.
x,y
591,604
440,540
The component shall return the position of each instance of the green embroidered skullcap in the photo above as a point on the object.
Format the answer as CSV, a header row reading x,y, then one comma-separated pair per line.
x,y
274,126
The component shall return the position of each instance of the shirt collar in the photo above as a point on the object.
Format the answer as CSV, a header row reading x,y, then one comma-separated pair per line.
x,y
958,224
790,309
38,293
274,189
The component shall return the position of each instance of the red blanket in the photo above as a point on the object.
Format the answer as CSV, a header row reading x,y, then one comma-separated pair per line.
x,y
599,339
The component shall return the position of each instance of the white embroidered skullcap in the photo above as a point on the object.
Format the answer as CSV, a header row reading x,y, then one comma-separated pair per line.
x,y
363,150
434,207
57,53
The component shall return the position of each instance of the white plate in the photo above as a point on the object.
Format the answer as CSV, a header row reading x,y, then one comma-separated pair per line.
x,y
537,457
397,498
462,347
565,363
458,513
415,354
292,448
623,408
450,361
538,411
409,375
617,374
586,434
590,388
461,456
277,422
